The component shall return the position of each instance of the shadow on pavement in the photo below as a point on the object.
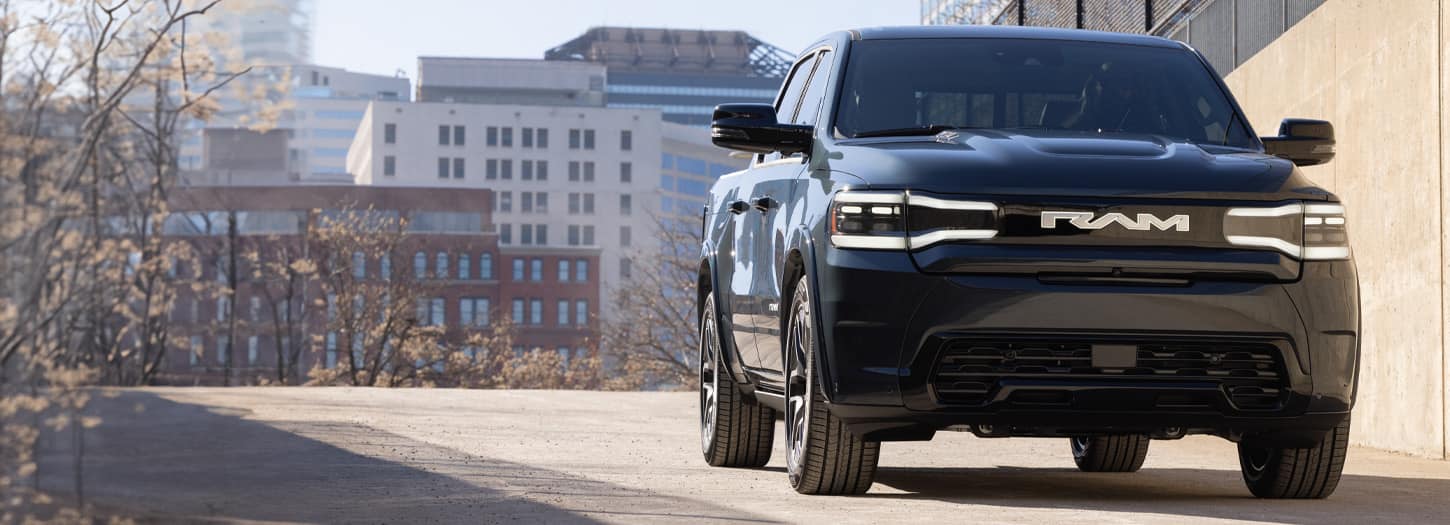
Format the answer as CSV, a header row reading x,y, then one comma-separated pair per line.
x,y
169,461
1171,492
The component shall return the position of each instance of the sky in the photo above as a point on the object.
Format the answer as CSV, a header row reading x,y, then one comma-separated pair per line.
x,y
385,36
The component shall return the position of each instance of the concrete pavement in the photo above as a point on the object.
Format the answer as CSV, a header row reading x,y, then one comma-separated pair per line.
x,y
396,456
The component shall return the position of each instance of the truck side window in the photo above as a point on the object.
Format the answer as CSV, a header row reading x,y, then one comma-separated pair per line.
x,y
815,92
785,108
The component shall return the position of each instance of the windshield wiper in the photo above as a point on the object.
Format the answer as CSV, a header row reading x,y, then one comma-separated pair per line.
x,y
905,132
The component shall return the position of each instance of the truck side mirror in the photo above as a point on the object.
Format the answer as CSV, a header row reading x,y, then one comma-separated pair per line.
x,y
1306,142
754,128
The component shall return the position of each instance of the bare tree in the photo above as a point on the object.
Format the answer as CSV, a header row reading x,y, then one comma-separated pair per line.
x,y
652,335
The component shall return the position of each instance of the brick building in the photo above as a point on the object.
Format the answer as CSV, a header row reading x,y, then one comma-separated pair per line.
x,y
450,248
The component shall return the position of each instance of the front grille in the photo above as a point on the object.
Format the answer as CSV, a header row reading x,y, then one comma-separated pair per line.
x,y
1250,375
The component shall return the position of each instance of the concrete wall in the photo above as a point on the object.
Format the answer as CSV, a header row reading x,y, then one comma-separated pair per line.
x,y
1377,70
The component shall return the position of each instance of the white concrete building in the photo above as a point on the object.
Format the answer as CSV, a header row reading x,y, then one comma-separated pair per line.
x,y
565,177
319,109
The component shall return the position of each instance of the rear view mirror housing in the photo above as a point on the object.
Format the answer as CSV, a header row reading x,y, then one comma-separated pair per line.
x,y
754,128
1305,142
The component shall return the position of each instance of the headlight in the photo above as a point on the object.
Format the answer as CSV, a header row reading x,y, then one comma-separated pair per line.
x,y
900,220
1312,232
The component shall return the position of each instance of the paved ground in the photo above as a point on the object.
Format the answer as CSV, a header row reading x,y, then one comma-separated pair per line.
x,y
393,456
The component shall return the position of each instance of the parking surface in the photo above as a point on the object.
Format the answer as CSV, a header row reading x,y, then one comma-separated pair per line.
x,y
373,456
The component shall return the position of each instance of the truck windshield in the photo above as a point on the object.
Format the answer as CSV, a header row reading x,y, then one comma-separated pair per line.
x,y
893,86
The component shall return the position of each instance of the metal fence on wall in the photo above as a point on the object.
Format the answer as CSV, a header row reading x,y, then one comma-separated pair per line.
x,y
1227,32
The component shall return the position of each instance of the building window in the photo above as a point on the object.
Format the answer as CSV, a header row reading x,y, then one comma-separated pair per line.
x,y
536,270
626,140
541,202
436,311
359,266
624,268
491,136
390,165
625,236
385,267
197,348
581,312
223,309
588,171
563,312
626,172
543,137
626,204
390,133
457,168
420,265
505,234
541,170
573,139
457,135
440,265
506,169
526,202
526,234
526,170
485,266
573,235
526,137
563,270
508,138
536,311
573,204
254,309
581,270
444,133
331,361
506,201
541,233
573,171
252,350
473,311
223,350
588,203
588,139
518,269
490,169
588,235
465,266
443,165
517,315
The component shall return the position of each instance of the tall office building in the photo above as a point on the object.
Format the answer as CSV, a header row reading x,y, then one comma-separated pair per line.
x,y
266,31
315,110
682,72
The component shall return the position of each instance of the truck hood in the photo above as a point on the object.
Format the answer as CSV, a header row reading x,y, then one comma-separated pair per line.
x,y
1069,164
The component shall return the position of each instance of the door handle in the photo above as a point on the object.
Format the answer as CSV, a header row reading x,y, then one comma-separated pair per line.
x,y
764,203
739,207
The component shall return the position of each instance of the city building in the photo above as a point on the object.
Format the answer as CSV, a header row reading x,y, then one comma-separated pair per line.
x,y
450,248
510,81
265,31
315,109
684,73
566,178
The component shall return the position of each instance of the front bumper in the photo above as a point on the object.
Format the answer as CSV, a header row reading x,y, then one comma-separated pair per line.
x,y
887,326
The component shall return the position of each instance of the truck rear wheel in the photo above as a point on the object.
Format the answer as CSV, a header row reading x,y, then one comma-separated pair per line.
x,y
1119,453
1296,473
734,432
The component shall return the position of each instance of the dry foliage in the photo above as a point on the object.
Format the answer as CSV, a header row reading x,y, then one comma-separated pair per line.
x,y
652,339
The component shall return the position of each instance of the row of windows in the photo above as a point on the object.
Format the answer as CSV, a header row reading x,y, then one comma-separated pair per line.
x,y
257,348
537,234
533,270
503,169
645,89
684,185
254,349
538,202
475,312
495,136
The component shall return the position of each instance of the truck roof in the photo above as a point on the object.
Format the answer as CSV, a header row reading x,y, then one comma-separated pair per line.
x,y
1017,32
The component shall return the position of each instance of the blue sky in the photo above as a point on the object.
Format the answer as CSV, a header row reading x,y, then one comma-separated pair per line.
x,y
383,36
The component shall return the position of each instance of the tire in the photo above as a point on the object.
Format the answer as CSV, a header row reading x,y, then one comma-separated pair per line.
x,y
1296,473
1118,453
734,431
823,457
